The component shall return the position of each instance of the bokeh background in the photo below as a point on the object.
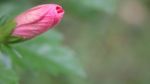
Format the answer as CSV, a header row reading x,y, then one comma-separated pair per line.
x,y
100,42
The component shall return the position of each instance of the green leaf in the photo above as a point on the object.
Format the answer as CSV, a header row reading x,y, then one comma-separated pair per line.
x,y
7,74
46,53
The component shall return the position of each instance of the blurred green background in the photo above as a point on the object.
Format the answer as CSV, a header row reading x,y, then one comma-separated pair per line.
x,y
97,42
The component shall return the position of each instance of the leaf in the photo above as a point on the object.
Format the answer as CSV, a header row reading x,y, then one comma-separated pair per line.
x,y
7,75
46,53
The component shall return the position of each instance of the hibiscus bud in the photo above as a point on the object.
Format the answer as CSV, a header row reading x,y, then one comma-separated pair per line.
x,y
37,20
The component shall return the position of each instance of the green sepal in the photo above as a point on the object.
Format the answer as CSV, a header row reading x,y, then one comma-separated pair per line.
x,y
15,39
6,30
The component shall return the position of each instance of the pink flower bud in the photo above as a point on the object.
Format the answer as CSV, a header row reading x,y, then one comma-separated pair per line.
x,y
37,20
